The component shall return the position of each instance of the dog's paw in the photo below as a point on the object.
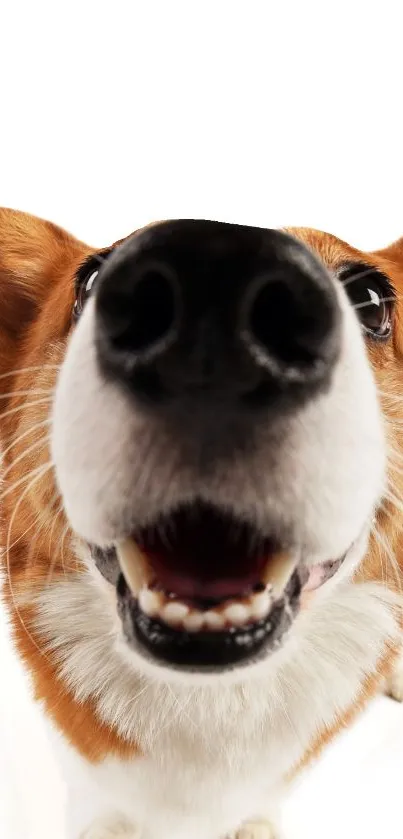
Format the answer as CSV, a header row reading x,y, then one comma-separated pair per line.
x,y
394,686
113,827
254,830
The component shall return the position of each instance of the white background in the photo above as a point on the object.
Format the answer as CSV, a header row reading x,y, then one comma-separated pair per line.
x,y
267,113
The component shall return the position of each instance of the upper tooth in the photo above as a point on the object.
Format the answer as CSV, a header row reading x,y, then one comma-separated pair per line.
x,y
260,605
133,564
279,570
150,602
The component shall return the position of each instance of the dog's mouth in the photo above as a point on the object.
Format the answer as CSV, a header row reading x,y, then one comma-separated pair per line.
x,y
200,589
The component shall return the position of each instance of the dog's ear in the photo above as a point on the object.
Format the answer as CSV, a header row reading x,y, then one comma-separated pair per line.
x,y
34,256
393,253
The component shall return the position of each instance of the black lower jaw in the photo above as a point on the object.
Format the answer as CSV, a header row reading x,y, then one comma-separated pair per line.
x,y
201,651
208,651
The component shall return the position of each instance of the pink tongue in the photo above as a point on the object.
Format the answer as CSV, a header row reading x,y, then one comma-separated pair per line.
x,y
190,588
200,587
317,575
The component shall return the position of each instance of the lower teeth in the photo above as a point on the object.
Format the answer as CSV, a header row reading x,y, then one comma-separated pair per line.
x,y
239,613
229,615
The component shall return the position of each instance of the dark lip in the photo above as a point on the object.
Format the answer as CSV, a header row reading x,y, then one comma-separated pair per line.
x,y
207,652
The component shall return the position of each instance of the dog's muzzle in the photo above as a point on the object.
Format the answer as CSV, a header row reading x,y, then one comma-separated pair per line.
x,y
208,325
201,590
211,351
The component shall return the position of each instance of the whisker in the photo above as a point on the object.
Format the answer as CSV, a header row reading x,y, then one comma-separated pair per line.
x,y
42,471
393,397
394,500
130,703
33,392
389,299
57,513
66,530
368,272
53,561
25,434
396,426
41,442
46,399
386,510
384,575
392,558
34,523
393,467
26,478
390,488
180,709
390,395
391,493
391,450
21,370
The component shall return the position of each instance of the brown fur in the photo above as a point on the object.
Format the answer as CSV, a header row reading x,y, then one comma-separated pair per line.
x,y
38,262
79,721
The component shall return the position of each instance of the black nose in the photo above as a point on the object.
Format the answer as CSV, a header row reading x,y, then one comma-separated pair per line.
x,y
218,312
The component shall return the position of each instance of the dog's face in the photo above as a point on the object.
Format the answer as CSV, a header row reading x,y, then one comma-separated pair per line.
x,y
216,429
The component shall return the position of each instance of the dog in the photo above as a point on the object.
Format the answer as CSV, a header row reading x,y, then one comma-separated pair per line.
x,y
202,461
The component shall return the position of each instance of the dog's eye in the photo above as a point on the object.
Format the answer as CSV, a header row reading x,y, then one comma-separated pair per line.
x,y
84,291
86,287
372,296
86,279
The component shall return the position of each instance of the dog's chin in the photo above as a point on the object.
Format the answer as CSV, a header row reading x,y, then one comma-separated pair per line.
x,y
199,594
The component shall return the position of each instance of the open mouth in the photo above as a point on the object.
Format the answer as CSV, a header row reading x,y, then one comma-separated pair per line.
x,y
201,590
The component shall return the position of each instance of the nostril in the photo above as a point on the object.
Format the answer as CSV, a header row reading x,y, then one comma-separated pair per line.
x,y
289,323
279,325
141,311
154,309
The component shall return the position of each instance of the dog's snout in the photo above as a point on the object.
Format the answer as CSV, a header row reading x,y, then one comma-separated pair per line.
x,y
227,313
